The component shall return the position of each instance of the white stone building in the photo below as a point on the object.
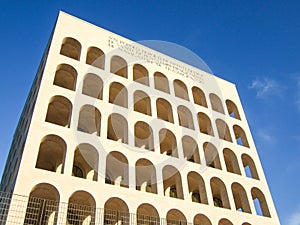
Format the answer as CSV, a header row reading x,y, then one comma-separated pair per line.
x,y
114,132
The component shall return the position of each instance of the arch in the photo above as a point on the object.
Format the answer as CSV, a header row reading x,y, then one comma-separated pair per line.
x,y
140,74
118,94
116,212
240,198
260,202
95,57
172,182
65,76
180,90
161,82
143,136
197,188
190,149
219,193
89,120
117,171
211,156
81,208
216,103
199,97
42,206
52,153
147,214
168,143
71,48
92,86
117,128
86,162
164,110
145,176
142,103
59,111
246,223
249,166
223,130
231,161
185,117
205,124
118,66
201,219
232,109
224,222
174,216
240,136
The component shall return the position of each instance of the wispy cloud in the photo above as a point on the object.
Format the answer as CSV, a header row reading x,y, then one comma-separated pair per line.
x,y
266,136
265,87
294,219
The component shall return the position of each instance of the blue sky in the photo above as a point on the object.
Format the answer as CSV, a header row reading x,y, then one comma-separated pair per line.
x,y
254,44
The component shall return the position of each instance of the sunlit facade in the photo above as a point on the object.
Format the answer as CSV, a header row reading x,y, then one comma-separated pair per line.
x,y
114,132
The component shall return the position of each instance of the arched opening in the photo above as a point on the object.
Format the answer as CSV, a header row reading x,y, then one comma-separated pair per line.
x,y
219,193
117,128
199,97
147,214
240,136
95,57
223,130
232,109
190,149
185,117
59,111
246,224
117,169
65,77
211,156
249,166
161,82
176,217
85,163
231,161
201,219
172,182
145,176
52,153
180,90
225,222
197,188
216,103
42,206
116,212
260,202
118,66
143,136
140,74
118,94
168,143
92,86
240,198
71,48
164,110
81,208
205,124
89,120
142,103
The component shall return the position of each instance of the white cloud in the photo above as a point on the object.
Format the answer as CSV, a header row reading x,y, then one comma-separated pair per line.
x,y
265,87
294,219
266,136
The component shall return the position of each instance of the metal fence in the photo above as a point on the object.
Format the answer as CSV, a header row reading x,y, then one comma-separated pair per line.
x,y
17,209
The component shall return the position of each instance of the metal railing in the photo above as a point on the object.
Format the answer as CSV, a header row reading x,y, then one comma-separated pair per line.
x,y
17,209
